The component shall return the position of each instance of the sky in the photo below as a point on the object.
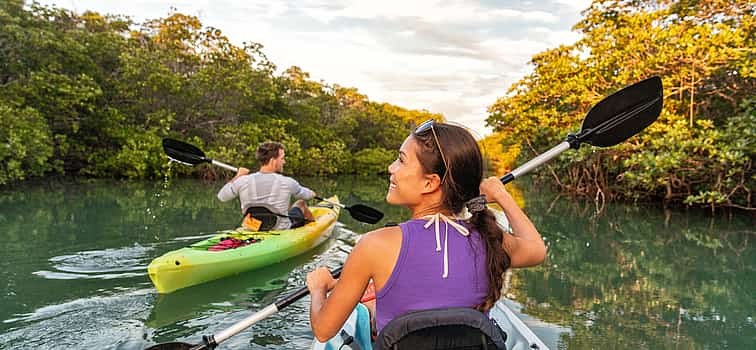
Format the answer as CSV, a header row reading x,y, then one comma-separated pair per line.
x,y
450,57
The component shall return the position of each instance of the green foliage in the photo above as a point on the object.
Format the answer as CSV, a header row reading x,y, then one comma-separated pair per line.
x,y
141,156
372,161
108,90
237,145
700,150
329,159
683,161
25,147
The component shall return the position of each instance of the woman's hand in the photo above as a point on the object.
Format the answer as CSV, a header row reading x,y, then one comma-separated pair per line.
x,y
493,189
524,246
320,280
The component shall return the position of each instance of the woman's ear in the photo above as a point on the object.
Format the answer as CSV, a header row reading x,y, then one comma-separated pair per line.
x,y
431,183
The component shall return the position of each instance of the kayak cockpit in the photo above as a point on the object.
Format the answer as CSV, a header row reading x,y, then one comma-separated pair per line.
x,y
449,328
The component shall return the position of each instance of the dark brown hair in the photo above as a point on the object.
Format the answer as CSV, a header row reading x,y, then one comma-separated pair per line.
x,y
462,183
267,151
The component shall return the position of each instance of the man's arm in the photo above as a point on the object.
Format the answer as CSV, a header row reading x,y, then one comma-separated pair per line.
x,y
301,192
239,173
229,192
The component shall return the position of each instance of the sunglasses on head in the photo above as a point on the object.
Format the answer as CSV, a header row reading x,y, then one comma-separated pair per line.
x,y
422,129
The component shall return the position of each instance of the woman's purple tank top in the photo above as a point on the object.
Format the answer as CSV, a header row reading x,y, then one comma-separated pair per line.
x,y
417,281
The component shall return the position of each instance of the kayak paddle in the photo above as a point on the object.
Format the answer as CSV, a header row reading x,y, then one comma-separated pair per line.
x,y
614,119
184,153
359,212
211,341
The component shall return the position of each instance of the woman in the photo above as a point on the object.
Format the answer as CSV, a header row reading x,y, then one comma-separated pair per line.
x,y
434,260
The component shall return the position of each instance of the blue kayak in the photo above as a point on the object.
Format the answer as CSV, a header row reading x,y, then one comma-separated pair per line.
x,y
355,330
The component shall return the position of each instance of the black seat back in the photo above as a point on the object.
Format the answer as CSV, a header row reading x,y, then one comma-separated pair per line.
x,y
269,218
454,328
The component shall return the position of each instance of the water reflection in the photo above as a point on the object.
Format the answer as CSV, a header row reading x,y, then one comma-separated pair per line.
x,y
642,277
628,277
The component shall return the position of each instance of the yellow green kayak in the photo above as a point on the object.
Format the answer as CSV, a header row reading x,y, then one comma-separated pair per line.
x,y
202,262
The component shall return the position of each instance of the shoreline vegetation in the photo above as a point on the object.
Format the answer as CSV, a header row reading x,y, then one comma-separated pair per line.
x,y
700,152
92,95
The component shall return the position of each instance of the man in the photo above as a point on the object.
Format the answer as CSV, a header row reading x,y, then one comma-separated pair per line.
x,y
268,188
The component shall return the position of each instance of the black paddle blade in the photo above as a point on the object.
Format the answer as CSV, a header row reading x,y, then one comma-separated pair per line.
x,y
183,152
623,114
365,214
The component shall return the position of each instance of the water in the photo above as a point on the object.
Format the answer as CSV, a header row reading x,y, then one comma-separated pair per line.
x,y
631,277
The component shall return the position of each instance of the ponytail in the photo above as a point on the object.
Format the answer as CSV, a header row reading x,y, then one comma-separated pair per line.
x,y
462,188
498,260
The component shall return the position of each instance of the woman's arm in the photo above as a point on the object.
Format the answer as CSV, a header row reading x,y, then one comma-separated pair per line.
x,y
329,312
525,246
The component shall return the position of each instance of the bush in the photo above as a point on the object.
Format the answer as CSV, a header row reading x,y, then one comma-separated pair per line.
x,y
706,165
141,156
328,159
372,161
25,144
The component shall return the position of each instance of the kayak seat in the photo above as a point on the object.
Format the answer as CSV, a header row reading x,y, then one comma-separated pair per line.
x,y
268,217
450,328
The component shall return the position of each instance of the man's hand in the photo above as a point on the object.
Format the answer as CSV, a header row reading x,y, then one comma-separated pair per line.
x,y
239,173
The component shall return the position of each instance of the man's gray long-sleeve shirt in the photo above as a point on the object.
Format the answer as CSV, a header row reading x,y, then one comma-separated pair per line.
x,y
271,190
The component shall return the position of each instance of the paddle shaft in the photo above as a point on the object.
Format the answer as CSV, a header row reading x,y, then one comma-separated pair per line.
x,y
234,169
359,212
214,340
223,165
535,162
190,155
368,215
611,121
334,203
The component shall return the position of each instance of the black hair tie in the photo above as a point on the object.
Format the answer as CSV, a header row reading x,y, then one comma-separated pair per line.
x,y
477,204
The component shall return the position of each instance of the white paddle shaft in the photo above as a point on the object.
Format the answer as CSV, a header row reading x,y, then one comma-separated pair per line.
x,y
225,166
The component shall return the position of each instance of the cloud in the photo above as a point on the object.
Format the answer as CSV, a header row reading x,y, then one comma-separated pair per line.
x,y
452,57
575,5
437,11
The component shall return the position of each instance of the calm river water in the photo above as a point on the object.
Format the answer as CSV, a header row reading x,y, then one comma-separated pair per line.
x,y
633,277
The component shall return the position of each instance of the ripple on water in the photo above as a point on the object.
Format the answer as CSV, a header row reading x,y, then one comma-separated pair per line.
x,y
98,322
121,318
100,264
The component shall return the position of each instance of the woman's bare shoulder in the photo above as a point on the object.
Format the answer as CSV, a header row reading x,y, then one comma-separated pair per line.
x,y
377,251
382,234
383,237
